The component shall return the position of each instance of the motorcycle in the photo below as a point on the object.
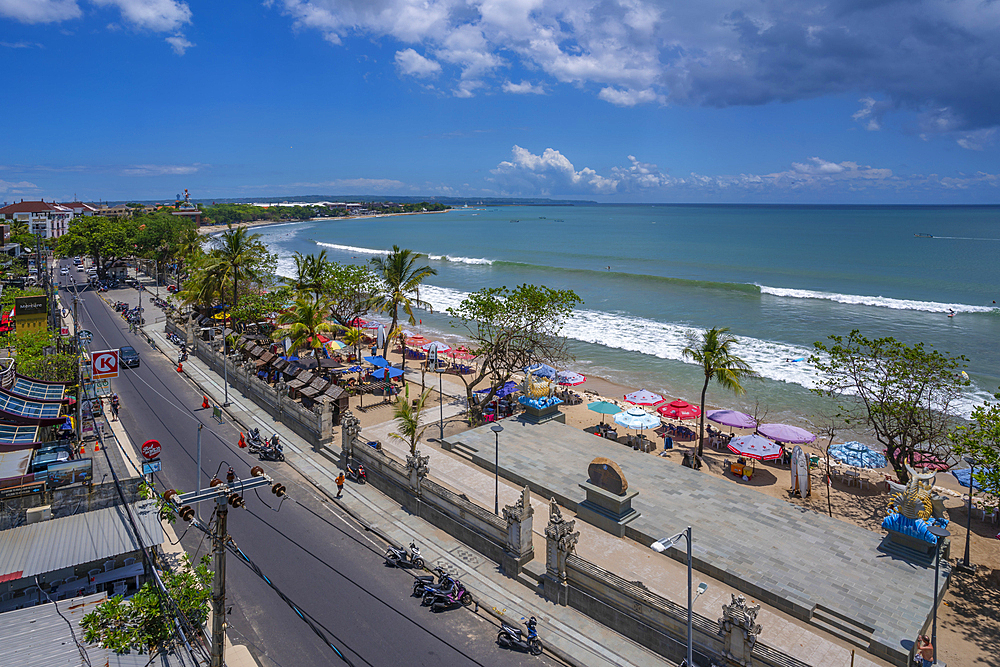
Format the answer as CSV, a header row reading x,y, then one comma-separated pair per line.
x,y
424,583
254,442
268,453
510,637
446,599
357,473
404,557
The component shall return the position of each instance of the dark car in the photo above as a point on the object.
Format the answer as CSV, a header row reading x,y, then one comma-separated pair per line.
x,y
128,357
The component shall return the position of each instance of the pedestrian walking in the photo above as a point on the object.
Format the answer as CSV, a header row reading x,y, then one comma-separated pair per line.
x,y
115,404
340,484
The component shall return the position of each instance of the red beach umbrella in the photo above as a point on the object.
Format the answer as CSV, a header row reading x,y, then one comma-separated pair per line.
x,y
679,409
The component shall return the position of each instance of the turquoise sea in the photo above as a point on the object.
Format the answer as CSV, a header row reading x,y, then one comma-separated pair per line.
x,y
650,276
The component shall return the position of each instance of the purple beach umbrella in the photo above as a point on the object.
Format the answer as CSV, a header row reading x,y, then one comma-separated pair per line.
x,y
792,435
732,418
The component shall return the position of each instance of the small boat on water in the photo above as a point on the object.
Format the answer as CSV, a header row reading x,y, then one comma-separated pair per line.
x,y
924,236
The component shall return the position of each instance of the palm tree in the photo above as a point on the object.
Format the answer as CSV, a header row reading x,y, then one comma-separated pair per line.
x,y
307,320
234,259
401,279
309,273
353,337
407,414
712,352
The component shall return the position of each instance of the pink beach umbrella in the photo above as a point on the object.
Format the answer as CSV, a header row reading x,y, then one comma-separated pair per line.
x,y
679,409
569,378
792,435
643,397
461,353
755,447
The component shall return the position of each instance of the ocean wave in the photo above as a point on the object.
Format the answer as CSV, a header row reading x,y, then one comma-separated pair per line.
x,y
478,261
436,258
877,301
351,248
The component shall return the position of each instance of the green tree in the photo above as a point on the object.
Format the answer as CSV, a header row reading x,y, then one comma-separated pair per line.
x,y
350,288
401,278
256,306
305,321
511,328
103,239
353,337
407,416
237,255
713,352
980,440
146,621
310,273
904,395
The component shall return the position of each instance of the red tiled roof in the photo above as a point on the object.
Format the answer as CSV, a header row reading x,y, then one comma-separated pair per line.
x,y
29,207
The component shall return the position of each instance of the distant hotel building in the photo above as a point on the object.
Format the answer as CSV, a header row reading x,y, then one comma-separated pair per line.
x,y
49,219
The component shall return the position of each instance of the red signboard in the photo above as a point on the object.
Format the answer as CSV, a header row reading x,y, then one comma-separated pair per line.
x,y
150,449
105,364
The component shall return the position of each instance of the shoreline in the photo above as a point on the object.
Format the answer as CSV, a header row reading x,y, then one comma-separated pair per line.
x,y
215,229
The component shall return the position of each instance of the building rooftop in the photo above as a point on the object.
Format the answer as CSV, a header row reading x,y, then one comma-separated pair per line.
x,y
32,207
55,544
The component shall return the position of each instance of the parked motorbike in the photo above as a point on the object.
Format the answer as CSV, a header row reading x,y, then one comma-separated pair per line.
x,y
447,599
269,453
424,583
404,557
356,473
510,637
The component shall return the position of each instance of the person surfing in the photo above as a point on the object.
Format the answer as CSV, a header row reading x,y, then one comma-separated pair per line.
x,y
951,313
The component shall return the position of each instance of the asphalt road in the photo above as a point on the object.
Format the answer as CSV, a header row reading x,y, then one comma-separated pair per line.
x,y
306,546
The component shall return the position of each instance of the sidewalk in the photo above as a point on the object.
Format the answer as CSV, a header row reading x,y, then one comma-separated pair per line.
x,y
571,633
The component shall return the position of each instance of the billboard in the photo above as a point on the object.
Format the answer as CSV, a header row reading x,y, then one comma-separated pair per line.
x,y
70,472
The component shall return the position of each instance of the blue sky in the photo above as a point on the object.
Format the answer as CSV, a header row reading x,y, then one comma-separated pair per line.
x,y
846,101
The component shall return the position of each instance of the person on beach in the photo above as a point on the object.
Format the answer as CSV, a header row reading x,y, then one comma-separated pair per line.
x,y
340,484
926,651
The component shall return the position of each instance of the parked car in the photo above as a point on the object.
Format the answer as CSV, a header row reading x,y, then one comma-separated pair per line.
x,y
64,271
41,462
128,357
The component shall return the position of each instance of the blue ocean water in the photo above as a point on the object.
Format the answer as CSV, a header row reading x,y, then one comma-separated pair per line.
x,y
651,276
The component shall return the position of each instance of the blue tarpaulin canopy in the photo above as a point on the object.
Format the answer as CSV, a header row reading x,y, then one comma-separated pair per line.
x,y
857,455
509,388
377,361
541,370
392,372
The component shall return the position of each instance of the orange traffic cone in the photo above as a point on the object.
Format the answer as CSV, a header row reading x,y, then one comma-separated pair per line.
x,y
204,402
83,450
97,446
242,442
180,368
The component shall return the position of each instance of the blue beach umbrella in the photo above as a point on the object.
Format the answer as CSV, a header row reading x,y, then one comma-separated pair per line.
x,y
377,361
965,475
541,370
858,455
388,370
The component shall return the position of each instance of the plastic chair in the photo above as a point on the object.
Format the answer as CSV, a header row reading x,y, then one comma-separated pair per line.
x,y
108,566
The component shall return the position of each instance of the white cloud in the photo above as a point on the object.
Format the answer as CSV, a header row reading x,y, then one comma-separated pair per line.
x,y
357,185
413,64
179,44
15,188
548,173
628,97
870,114
40,11
978,140
161,169
523,88
22,45
155,15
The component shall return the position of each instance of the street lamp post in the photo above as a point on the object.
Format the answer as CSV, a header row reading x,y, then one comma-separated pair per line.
x,y
496,428
938,532
968,525
661,546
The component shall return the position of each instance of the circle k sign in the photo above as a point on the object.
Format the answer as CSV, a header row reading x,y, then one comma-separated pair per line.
x,y
105,364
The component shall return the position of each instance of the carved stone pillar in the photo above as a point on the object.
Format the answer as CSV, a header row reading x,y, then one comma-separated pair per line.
x,y
518,550
739,630
560,541
349,429
417,465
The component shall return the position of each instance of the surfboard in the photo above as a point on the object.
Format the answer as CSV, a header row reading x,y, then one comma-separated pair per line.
x,y
800,472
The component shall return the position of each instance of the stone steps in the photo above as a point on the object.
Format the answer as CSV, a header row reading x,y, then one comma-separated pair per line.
x,y
837,624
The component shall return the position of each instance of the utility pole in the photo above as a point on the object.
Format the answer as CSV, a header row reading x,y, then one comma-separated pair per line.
x,y
79,361
225,494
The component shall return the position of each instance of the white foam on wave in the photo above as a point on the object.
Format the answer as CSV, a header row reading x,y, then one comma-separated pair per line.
x,y
770,359
351,248
877,301
478,261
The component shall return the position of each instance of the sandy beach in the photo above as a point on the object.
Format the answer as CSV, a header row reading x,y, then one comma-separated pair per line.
x,y
215,229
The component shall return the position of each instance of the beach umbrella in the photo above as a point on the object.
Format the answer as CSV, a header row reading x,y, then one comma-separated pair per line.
x,y
407,333
436,345
604,408
336,345
679,409
732,418
388,370
373,325
637,418
792,435
416,341
755,447
377,361
857,455
569,378
964,476
353,369
359,323
541,370
461,353
643,397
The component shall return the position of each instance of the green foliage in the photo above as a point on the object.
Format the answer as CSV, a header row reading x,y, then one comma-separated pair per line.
x,y
33,362
11,293
980,439
307,320
350,289
400,281
258,306
231,214
905,395
146,622
407,416
237,257
713,352
511,328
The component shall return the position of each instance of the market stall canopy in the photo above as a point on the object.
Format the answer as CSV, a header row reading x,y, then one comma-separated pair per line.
x,y
964,476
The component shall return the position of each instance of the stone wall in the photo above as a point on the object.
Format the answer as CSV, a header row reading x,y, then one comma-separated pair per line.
x,y
69,500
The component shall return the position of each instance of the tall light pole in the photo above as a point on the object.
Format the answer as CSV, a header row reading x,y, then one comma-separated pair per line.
x,y
662,545
938,532
968,524
496,428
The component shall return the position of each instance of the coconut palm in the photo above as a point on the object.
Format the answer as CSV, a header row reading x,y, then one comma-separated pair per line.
x,y
712,351
308,321
309,273
353,337
235,257
401,278
407,416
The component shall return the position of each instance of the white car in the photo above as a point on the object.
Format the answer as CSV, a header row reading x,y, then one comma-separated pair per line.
x,y
64,271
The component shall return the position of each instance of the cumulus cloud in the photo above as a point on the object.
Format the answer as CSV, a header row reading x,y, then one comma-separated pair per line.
x,y
21,45
548,173
155,15
179,44
16,188
918,55
523,88
40,11
413,64
978,140
161,169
